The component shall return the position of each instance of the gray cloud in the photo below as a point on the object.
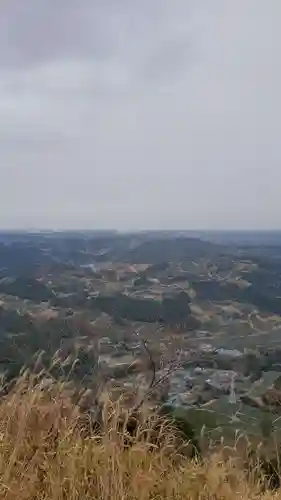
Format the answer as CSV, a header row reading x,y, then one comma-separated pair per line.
x,y
140,114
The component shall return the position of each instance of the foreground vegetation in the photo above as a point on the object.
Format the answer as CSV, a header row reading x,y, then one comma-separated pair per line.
x,y
49,449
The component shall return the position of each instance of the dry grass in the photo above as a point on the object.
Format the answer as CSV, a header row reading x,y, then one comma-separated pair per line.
x,y
47,453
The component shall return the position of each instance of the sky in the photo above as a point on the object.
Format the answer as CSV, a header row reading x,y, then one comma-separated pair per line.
x,y
140,114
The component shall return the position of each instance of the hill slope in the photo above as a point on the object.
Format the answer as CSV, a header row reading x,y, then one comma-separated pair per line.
x,y
48,452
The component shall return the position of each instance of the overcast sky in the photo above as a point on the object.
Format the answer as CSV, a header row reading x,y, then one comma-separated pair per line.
x,y
136,114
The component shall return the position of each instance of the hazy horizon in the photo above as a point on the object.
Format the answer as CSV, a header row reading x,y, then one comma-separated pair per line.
x,y
140,115
35,230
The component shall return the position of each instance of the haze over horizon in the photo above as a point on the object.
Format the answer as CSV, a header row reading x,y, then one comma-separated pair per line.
x,y
127,114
